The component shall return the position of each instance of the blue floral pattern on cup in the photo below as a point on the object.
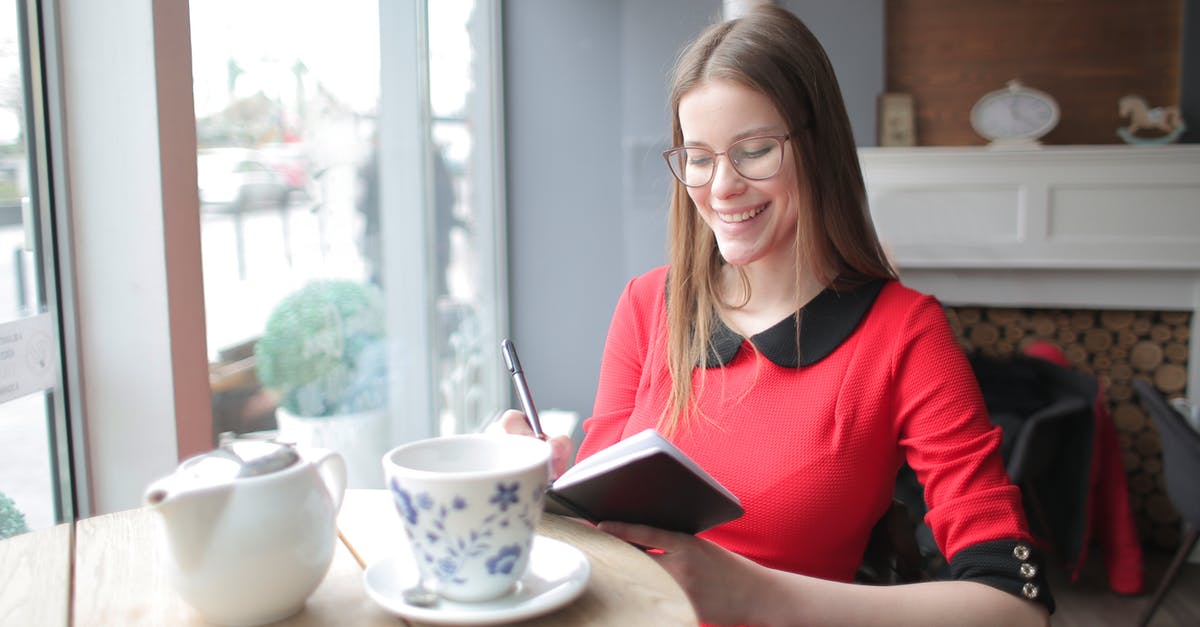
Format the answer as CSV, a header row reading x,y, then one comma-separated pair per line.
x,y
445,553
505,495
504,561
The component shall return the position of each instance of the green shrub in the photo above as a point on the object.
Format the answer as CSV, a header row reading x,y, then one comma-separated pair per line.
x,y
12,521
323,349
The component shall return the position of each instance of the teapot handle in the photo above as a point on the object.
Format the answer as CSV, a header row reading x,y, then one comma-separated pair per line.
x,y
332,468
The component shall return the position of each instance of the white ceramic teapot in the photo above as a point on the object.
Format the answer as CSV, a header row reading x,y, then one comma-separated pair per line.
x,y
249,529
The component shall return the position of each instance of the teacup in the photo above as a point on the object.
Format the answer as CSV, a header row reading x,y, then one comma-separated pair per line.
x,y
470,506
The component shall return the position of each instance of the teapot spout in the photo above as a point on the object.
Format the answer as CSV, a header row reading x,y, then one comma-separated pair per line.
x,y
197,479
170,496
189,515
156,494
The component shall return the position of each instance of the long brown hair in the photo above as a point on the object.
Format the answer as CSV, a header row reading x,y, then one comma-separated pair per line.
x,y
772,51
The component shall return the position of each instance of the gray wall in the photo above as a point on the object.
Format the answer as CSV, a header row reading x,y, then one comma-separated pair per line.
x,y
585,121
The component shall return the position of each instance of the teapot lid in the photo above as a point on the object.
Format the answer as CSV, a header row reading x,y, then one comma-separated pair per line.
x,y
240,458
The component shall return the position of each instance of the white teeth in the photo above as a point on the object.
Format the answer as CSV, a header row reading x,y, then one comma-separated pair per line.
x,y
740,217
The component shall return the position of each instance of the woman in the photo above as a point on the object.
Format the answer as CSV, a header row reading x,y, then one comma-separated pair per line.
x,y
779,350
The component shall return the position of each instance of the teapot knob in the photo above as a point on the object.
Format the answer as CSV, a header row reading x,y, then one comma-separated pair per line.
x,y
256,457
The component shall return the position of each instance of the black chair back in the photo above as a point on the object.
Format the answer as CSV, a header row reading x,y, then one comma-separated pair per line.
x,y
1181,465
1039,440
1180,452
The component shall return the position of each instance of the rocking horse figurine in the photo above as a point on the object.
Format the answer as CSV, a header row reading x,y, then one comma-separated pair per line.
x,y
1141,116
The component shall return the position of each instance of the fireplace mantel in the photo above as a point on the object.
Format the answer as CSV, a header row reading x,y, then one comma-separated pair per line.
x,y
1085,226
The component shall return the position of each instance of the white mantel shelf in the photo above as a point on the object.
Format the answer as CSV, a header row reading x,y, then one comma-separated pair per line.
x,y
1065,226
1103,207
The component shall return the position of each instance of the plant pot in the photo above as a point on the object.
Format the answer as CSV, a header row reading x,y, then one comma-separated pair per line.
x,y
361,438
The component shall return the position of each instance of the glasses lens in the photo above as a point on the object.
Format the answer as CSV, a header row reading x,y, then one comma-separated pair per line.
x,y
757,157
676,159
692,166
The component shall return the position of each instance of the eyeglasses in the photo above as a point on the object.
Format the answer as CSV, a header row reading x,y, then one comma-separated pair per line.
x,y
755,158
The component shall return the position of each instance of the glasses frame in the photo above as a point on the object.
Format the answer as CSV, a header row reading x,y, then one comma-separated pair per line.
x,y
670,153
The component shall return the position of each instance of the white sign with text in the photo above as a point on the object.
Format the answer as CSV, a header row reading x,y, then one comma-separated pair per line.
x,y
27,356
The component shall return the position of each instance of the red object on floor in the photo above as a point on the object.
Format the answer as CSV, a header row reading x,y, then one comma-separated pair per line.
x,y
1109,519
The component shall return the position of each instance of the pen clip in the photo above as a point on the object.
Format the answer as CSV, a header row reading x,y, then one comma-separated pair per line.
x,y
510,356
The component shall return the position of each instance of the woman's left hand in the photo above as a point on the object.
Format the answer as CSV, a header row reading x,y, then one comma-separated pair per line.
x,y
721,585
728,589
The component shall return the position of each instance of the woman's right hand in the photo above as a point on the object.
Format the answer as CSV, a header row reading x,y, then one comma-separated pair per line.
x,y
561,446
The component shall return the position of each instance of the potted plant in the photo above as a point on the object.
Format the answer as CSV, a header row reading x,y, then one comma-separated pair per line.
x,y
12,521
322,351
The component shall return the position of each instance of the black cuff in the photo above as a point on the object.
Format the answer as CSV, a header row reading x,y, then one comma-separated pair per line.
x,y
1014,567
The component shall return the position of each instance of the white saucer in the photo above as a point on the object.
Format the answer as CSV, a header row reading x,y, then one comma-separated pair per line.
x,y
558,573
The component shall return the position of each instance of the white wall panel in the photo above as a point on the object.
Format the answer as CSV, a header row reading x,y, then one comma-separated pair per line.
x,y
951,213
1135,214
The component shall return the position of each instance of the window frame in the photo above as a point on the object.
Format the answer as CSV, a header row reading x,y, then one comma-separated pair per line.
x,y
134,338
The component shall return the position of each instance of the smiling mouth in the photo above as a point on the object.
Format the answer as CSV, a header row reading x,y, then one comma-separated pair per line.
x,y
734,218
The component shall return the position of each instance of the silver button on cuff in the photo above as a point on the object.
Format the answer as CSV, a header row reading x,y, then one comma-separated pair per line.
x,y
1021,552
1030,590
1028,570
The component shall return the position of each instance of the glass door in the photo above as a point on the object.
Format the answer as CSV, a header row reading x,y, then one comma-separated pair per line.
x,y
35,476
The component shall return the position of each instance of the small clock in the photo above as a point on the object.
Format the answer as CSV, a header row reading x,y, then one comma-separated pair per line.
x,y
1015,115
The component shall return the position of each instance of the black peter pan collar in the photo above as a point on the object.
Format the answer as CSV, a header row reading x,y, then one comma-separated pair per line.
x,y
827,320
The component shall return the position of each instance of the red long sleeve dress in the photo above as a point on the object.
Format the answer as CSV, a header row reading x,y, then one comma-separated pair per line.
x,y
811,440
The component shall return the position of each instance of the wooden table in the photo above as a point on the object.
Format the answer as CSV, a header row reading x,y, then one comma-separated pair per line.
x,y
118,580
35,577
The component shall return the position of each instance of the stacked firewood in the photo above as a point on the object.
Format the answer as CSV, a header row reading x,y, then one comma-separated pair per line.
x,y
1116,347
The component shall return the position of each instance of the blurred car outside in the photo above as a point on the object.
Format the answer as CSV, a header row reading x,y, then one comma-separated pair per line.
x,y
289,159
237,180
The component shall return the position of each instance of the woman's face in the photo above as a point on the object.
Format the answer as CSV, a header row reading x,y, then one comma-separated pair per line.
x,y
753,220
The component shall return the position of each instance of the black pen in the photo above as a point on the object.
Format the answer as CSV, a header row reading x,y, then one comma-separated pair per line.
x,y
518,377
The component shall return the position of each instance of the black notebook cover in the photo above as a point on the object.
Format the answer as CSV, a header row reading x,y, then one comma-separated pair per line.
x,y
646,480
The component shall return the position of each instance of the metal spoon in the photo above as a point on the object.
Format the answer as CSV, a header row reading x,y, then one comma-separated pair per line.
x,y
421,595
424,594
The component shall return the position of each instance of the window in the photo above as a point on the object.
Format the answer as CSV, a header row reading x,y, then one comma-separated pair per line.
x,y
339,183
35,472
